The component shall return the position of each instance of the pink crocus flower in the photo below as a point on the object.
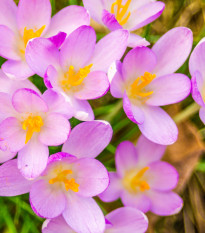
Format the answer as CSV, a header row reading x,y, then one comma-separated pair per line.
x,y
78,70
121,220
197,71
32,123
32,18
9,86
143,181
127,14
69,182
146,80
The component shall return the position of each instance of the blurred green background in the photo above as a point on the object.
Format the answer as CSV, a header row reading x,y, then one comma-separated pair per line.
x,y
187,154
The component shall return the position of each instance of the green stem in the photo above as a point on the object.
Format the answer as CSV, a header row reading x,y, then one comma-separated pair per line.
x,y
109,117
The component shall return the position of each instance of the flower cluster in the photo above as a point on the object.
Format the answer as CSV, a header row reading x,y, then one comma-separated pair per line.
x,y
63,51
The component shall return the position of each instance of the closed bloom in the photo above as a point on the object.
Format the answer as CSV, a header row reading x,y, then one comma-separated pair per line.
x,y
197,71
32,18
32,123
127,14
122,220
69,182
146,80
143,181
78,70
8,87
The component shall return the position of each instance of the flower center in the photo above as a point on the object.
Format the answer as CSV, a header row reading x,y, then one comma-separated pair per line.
x,y
32,124
135,182
139,85
72,78
69,183
121,11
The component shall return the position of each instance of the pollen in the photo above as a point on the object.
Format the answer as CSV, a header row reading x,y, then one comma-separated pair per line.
x,y
120,12
32,124
69,183
138,87
73,79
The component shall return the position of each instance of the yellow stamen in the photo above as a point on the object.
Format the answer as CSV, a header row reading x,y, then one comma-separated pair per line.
x,y
69,183
121,11
30,34
138,86
138,182
31,125
72,78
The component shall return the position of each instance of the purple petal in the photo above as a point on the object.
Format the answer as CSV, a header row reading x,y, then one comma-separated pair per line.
x,y
133,112
137,41
78,48
12,183
33,14
28,101
84,215
202,114
172,50
6,107
91,175
58,39
95,85
114,189
126,157
32,159
158,126
165,203
126,219
18,70
55,130
110,21
162,176
56,225
40,53
6,155
46,201
68,19
88,139
109,49
197,82
169,89
137,62
148,151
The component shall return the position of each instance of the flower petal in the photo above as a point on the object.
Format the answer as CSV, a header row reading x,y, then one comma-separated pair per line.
x,y
58,39
126,157
6,155
28,101
197,82
114,189
6,107
12,183
169,89
78,48
94,86
165,203
84,215
33,14
17,70
68,19
55,130
158,126
40,53
162,176
137,41
202,114
91,175
45,201
172,50
32,159
110,21
126,219
109,49
88,139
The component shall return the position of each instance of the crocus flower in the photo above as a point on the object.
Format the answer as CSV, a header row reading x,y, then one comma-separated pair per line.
x,y
197,71
143,181
8,87
77,71
31,124
32,18
126,14
69,182
146,80
122,220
